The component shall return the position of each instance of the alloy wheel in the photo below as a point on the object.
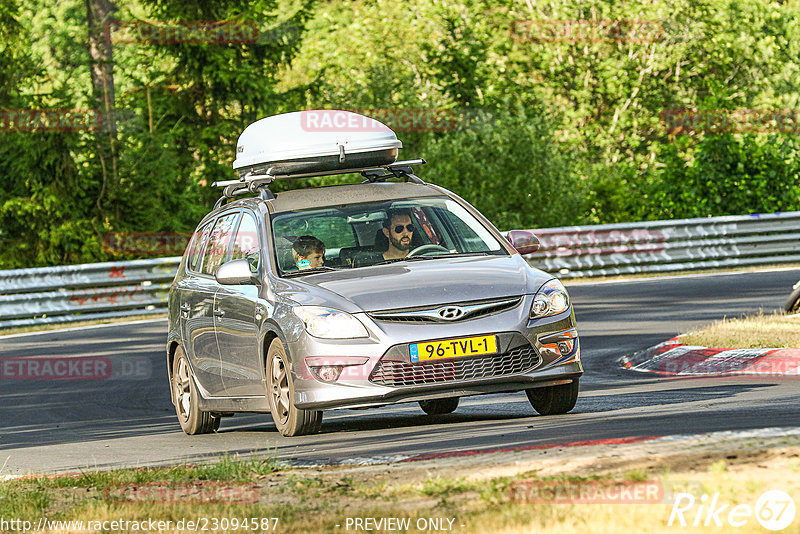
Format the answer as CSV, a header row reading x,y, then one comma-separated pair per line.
x,y
280,388
183,390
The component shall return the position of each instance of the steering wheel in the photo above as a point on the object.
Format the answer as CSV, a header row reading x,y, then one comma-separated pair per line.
x,y
422,249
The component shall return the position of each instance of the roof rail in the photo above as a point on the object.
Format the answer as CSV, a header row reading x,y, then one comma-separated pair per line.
x,y
259,183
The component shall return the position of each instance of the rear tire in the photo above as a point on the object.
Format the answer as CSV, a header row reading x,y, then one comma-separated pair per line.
x,y
554,400
184,394
290,420
439,406
793,304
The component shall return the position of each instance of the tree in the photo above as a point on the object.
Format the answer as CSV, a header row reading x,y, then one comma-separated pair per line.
x,y
99,13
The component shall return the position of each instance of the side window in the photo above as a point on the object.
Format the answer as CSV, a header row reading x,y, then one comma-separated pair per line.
x,y
467,229
196,246
217,248
245,244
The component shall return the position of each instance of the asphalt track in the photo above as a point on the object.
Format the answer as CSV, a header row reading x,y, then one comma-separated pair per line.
x,y
52,426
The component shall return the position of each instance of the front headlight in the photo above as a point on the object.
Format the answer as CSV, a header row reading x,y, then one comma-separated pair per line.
x,y
329,323
551,299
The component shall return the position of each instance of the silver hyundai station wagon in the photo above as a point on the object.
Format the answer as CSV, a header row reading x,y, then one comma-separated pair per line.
x,y
357,296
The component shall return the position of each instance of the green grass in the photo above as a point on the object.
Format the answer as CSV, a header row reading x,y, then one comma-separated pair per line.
x,y
228,468
636,475
307,501
446,486
758,331
22,500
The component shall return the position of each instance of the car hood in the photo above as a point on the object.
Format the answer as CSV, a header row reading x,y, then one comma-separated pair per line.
x,y
426,282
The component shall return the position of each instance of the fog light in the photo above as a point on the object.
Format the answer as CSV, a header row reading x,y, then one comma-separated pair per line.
x,y
328,373
562,346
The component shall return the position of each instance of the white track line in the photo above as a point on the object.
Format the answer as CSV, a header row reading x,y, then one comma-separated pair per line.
x,y
672,277
87,327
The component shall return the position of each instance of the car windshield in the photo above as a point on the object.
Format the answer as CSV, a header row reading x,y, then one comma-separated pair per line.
x,y
362,235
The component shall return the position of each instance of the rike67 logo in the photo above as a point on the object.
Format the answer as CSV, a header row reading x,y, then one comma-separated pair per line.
x,y
774,510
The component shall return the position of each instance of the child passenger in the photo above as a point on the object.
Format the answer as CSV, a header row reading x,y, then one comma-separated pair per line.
x,y
308,252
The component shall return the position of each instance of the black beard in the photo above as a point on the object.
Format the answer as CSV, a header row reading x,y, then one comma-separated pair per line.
x,y
400,246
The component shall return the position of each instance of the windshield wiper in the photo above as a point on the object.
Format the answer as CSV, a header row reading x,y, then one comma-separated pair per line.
x,y
393,260
436,256
480,253
315,270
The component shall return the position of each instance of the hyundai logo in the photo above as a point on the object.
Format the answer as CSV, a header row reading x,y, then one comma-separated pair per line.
x,y
450,313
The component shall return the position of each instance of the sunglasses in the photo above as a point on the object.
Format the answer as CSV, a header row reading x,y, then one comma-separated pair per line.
x,y
399,228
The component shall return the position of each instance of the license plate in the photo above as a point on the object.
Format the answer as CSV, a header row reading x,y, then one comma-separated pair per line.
x,y
453,348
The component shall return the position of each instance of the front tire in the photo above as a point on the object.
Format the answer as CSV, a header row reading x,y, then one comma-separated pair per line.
x,y
793,303
184,392
554,400
439,406
290,420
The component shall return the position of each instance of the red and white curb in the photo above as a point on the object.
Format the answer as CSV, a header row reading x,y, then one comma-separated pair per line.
x,y
677,359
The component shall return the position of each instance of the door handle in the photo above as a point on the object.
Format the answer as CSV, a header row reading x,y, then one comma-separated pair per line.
x,y
219,313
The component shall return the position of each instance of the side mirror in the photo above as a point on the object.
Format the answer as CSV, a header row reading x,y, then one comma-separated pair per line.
x,y
236,273
524,241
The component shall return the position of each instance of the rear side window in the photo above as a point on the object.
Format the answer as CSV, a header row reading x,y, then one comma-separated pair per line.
x,y
246,243
196,247
216,251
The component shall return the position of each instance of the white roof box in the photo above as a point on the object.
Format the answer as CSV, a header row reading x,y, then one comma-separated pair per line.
x,y
314,141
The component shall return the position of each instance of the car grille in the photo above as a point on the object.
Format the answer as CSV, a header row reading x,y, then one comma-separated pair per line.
x,y
398,374
472,310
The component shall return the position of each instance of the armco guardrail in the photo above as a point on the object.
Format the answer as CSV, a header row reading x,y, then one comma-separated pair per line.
x,y
664,246
80,292
116,289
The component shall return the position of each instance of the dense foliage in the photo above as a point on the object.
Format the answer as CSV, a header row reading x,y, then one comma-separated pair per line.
x,y
543,130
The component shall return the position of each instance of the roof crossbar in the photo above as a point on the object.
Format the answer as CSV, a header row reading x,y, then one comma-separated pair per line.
x,y
252,183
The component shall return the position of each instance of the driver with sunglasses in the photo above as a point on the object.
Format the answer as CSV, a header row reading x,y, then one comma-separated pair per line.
x,y
399,230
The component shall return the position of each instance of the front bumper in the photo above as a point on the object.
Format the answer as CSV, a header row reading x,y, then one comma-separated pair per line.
x,y
529,357
332,396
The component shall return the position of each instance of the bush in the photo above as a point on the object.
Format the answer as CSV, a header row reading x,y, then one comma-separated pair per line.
x,y
725,175
508,164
